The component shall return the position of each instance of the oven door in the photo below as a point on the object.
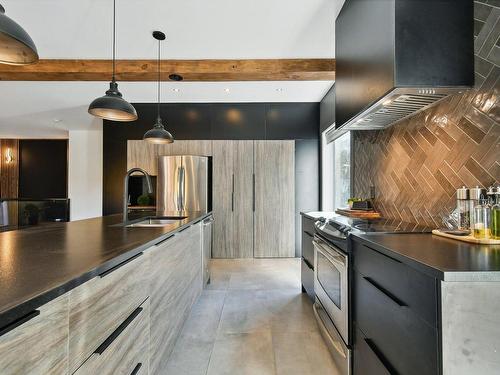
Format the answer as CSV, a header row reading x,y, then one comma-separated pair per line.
x,y
330,283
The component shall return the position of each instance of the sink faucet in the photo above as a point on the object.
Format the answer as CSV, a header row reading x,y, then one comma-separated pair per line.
x,y
125,190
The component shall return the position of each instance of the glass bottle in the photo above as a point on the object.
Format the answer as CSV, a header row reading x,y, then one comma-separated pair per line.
x,y
475,195
495,216
463,208
482,220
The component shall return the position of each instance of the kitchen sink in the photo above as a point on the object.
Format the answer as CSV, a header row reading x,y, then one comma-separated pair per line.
x,y
156,222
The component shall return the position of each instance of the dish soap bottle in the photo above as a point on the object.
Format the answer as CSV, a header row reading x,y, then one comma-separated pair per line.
x,y
482,220
495,215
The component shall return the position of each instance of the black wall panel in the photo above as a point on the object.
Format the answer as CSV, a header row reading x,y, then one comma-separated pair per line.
x,y
43,168
238,121
292,121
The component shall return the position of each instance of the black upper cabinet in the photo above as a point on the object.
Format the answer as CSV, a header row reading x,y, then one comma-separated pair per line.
x,y
238,121
187,121
292,121
327,110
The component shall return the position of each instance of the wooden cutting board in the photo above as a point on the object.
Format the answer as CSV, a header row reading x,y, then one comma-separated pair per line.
x,y
470,239
358,213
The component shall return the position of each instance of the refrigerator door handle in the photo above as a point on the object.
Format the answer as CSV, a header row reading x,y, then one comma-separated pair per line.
x,y
182,187
179,188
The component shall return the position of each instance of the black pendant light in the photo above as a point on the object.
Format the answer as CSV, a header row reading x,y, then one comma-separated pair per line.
x,y
158,134
112,106
16,46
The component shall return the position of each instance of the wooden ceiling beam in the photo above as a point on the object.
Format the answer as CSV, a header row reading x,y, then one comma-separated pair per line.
x,y
190,70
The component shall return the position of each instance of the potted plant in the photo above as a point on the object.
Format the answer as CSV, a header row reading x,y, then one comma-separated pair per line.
x,y
31,212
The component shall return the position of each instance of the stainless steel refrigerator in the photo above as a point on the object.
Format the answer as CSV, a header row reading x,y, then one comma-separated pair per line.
x,y
183,183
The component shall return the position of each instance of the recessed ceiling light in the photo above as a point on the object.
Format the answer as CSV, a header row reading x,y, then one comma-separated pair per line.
x,y
56,120
227,90
279,89
176,90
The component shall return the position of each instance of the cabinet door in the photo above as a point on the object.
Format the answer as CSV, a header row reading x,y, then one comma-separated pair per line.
x,y
223,199
274,219
176,275
142,154
99,306
40,345
243,212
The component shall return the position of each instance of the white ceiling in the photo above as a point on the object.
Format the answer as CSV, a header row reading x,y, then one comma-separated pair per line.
x,y
196,29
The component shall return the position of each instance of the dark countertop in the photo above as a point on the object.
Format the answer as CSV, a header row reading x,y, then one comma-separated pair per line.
x,y
445,259
317,214
41,263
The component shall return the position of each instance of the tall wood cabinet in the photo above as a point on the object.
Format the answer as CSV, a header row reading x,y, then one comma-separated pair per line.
x,y
274,206
232,199
254,199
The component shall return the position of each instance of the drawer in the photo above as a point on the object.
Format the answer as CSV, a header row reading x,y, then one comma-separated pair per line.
x,y
406,341
37,343
100,305
125,351
366,360
414,289
307,277
307,247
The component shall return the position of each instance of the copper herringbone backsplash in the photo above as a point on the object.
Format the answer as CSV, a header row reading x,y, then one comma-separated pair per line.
x,y
417,165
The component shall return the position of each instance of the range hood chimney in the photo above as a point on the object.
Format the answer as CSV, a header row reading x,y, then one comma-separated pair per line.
x,y
395,58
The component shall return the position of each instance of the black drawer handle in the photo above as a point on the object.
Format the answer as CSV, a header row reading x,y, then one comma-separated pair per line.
x,y
385,255
308,233
388,294
118,331
381,357
106,273
18,322
307,263
164,240
136,369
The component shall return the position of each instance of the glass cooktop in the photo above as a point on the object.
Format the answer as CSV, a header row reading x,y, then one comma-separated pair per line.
x,y
381,225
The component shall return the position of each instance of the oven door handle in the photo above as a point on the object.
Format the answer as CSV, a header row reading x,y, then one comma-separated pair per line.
x,y
338,260
318,312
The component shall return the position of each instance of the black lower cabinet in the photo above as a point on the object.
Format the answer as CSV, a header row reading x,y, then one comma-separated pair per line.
x,y
393,333
307,276
366,360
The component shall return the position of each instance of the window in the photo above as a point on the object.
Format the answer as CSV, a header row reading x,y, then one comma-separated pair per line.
x,y
335,172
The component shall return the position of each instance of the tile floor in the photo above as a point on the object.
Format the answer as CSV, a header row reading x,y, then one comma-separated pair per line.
x,y
252,320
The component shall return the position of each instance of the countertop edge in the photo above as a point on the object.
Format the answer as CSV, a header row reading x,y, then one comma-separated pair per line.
x,y
413,263
442,275
12,313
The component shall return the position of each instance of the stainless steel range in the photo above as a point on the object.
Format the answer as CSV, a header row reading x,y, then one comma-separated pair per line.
x,y
332,261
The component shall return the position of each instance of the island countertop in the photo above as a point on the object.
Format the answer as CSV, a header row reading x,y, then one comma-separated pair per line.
x,y
442,258
41,263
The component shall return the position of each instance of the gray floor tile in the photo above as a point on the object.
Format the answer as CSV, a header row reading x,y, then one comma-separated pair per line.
x,y
300,353
189,357
243,354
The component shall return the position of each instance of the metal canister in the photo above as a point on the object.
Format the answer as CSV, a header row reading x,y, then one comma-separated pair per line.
x,y
463,208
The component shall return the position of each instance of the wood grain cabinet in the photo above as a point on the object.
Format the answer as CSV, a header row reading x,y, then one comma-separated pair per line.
x,y
99,306
125,350
40,344
176,283
274,201
232,199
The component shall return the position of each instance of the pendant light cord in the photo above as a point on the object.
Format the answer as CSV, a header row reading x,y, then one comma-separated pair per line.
x,y
114,39
159,77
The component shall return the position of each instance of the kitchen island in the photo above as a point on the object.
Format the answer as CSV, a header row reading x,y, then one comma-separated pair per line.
x,y
75,295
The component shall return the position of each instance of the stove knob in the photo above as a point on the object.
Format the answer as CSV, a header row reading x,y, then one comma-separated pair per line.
x,y
322,220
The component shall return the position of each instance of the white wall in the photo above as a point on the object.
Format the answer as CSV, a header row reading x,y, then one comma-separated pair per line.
x,y
85,173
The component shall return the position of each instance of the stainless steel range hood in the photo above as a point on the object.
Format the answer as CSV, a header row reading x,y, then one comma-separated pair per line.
x,y
395,58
